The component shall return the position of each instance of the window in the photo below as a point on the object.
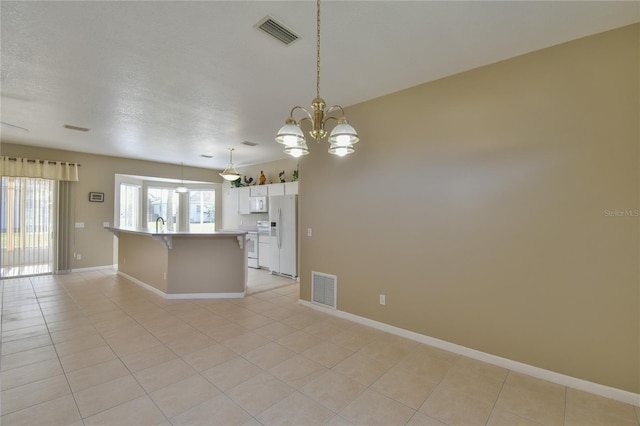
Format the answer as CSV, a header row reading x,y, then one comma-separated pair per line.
x,y
141,200
129,205
202,211
162,202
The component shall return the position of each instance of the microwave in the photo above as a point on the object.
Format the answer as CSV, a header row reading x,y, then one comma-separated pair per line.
x,y
259,204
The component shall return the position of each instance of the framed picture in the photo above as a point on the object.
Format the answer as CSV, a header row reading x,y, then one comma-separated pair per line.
x,y
97,197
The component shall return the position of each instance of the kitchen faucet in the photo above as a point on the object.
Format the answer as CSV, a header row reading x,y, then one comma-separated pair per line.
x,y
159,218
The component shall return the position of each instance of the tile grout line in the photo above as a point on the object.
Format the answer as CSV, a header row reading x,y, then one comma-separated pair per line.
x,y
120,359
495,403
564,407
83,310
177,355
46,324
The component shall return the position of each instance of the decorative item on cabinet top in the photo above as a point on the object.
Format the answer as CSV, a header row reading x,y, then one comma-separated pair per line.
x,y
267,190
262,179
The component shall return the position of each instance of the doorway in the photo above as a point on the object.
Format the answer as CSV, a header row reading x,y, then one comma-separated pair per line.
x,y
27,225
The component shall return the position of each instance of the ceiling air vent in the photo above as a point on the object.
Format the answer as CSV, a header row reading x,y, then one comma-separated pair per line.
x,y
277,30
77,128
248,143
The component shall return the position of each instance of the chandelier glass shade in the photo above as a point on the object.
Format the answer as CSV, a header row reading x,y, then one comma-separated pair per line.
x,y
342,137
230,173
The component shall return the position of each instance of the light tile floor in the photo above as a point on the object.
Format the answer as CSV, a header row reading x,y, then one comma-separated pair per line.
x,y
260,280
95,349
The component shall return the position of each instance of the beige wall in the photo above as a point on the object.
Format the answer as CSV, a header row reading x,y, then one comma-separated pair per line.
x,y
97,174
478,205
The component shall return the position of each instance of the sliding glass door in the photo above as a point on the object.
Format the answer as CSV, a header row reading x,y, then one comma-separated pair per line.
x,y
27,225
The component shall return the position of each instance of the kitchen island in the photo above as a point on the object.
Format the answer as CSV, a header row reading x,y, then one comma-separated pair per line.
x,y
184,265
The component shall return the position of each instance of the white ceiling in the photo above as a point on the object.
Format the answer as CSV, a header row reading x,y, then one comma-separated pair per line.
x,y
169,81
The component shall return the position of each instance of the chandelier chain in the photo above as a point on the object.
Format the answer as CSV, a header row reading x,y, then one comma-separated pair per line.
x,y
342,137
318,52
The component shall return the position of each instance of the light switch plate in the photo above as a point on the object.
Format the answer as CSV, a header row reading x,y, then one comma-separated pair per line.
x,y
79,224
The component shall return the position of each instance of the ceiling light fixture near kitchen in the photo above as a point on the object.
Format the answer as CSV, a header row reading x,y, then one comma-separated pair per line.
x,y
182,189
230,173
343,135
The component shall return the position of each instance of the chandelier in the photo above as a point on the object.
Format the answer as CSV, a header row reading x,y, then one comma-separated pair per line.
x,y
343,135
230,173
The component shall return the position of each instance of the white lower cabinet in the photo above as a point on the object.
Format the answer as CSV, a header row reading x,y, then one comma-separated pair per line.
x,y
264,251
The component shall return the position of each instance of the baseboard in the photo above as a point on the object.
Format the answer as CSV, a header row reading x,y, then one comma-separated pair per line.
x,y
181,296
540,373
90,269
205,296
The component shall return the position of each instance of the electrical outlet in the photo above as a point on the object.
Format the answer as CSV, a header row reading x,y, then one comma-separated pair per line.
x,y
105,224
78,256
383,299
309,232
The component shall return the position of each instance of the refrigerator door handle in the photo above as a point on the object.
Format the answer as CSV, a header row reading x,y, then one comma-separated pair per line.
x,y
280,228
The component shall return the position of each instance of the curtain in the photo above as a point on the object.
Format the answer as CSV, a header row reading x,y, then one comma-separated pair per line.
x,y
27,217
22,167
64,227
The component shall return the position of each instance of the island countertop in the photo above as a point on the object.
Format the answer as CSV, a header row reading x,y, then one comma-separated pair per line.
x,y
184,265
152,232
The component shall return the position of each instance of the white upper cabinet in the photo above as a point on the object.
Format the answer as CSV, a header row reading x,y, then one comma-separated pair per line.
x,y
276,189
230,217
243,200
291,188
241,195
259,190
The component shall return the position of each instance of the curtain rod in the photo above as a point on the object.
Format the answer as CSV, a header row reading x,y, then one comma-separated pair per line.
x,y
44,161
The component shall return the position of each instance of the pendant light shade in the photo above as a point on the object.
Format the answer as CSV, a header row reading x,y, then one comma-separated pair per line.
x,y
290,134
297,150
230,173
342,138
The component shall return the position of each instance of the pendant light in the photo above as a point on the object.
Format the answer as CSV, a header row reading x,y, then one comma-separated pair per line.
x,y
230,173
181,189
342,137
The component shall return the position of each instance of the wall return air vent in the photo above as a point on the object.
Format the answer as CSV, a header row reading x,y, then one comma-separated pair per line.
x,y
323,289
277,30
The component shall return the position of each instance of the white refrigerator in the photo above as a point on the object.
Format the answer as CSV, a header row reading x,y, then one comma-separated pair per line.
x,y
283,217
